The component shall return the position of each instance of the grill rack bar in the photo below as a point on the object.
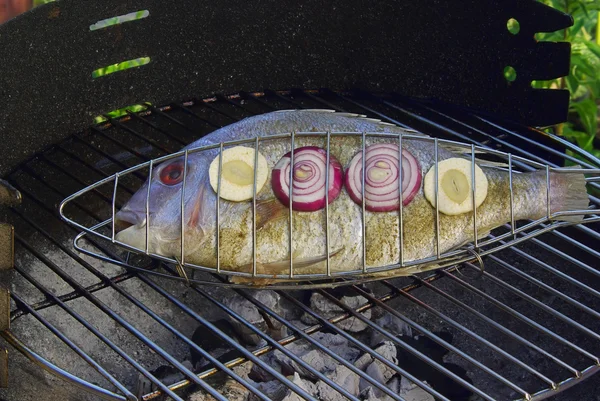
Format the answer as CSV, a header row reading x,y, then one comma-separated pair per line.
x,y
586,371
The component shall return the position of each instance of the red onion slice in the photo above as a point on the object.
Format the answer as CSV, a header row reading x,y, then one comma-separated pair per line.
x,y
308,179
381,179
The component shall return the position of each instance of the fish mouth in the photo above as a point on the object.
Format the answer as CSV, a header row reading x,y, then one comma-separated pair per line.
x,y
128,218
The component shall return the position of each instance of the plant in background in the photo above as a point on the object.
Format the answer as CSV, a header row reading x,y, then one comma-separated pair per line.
x,y
584,79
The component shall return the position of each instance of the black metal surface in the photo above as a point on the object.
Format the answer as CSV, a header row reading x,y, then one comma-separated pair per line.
x,y
537,302
453,51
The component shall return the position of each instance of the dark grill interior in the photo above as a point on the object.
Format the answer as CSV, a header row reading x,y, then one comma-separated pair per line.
x,y
525,325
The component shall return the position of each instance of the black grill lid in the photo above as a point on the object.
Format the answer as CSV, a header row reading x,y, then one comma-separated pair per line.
x,y
453,51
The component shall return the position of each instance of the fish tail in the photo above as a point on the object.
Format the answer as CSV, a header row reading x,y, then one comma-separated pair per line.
x,y
568,193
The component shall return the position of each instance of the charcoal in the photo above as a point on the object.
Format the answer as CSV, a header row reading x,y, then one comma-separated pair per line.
x,y
251,313
314,357
260,375
368,394
343,377
417,394
328,310
392,324
375,372
395,384
417,367
231,390
274,389
210,341
305,385
388,351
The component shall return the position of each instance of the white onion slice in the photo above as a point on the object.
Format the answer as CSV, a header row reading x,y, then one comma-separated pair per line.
x,y
381,178
308,179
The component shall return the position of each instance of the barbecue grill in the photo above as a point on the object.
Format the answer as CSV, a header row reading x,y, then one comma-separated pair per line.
x,y
524,327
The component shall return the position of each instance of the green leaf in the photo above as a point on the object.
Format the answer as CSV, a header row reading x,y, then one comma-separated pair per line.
x,y
587,111
579,137
594,48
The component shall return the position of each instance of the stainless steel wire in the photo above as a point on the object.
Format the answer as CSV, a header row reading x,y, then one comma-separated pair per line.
x,y
446,258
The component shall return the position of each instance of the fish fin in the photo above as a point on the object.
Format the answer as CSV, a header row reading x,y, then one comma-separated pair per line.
x,y
299,263
568,192
195,215
359,116
309,110
269,210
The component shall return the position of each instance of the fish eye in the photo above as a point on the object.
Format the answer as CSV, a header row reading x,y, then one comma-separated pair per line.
x,y
172,174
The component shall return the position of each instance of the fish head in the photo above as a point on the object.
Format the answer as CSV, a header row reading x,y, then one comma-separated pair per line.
x,y
156,208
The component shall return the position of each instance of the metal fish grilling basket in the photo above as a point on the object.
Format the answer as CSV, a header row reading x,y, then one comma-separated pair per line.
x,y
508,235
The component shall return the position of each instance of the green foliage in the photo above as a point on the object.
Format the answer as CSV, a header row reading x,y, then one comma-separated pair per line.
x,y
120,66
121,112
584,79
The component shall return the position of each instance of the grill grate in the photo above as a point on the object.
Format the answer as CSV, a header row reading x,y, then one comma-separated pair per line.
x,y
525,328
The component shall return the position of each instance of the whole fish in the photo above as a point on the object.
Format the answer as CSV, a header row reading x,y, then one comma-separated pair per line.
x,y
309,251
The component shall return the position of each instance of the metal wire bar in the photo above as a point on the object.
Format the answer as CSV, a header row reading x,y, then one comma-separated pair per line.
x,y
143,138
77,138
556,272
218,204
78,159
474,201
512,196
164,115
400,203
546,308
135,116
60,193
100,305
291,203
182,209
437,339
254,174
437,197
545,286
97,367
362,346
114,198
147,239
55,166
50,367
294,387
481,340
518,315
495,324
363,204
94,331
327,168
407,347
193,114
120,144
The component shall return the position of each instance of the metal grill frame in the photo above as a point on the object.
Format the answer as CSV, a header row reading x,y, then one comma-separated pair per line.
x,y
112,282
445,259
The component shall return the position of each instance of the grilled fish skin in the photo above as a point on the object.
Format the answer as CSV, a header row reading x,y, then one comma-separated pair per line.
x,y
309,251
